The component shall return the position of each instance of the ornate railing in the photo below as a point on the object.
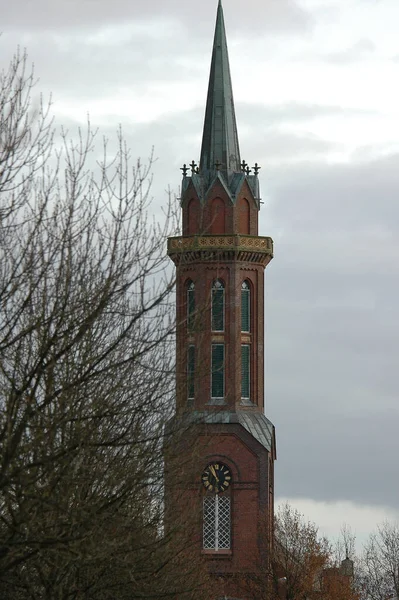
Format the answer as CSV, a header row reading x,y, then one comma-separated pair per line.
x,y
238,243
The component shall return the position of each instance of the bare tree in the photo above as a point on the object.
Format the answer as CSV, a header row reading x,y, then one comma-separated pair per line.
x,y
381,563
86,366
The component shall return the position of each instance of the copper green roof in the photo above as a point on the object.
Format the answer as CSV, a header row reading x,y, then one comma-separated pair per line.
x,y
220,140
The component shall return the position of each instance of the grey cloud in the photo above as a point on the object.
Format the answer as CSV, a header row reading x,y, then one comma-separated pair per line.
x,y
343,197
357,461
361,50
292,112
276,16
76,67
332,324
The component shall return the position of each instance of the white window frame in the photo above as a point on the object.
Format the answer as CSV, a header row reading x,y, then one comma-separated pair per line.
x,y
217,534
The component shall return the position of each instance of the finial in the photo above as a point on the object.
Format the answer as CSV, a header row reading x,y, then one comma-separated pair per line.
x,y
243,165
184,168
194,168
218,165
256,169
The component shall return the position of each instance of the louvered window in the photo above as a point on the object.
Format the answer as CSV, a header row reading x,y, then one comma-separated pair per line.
x,y
245,371
218,305
217,523
190,372
217,371
245,306
190,305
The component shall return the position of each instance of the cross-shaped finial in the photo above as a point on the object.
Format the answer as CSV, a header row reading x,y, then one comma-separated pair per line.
x,y
193,166
247,170
256,168
218,164
184,168
243,166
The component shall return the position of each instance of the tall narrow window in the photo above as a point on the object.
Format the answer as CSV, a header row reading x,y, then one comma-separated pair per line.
x,y
245,307
190,305
190,372
245,372
217,383
218,305
217,523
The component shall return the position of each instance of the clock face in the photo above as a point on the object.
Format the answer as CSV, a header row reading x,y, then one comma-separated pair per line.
x,y
216,477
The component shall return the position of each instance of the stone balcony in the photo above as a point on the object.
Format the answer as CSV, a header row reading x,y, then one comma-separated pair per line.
x,y
241,247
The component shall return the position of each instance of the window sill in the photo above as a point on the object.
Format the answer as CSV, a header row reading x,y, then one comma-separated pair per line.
x,y
216,402
246,402
217,553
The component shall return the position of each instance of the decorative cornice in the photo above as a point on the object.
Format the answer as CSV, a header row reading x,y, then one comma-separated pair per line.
x,y
194,248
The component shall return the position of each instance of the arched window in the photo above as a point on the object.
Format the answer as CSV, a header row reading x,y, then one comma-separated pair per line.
x,y
218,216
245,307
218,305
190,305
243,216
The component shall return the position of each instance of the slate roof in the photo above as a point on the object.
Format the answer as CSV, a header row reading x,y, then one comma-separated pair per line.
x,y
220,139
255,423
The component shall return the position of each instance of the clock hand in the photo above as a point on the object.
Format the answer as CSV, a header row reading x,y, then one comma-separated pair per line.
x,y
212,469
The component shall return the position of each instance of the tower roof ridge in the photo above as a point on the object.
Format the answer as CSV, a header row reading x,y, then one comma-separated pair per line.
x,y
220,140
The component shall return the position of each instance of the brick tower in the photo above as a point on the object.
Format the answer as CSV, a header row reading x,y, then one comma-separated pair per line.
x,y
220,262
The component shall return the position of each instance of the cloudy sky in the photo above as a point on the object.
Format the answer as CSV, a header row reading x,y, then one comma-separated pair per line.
x,y
317,103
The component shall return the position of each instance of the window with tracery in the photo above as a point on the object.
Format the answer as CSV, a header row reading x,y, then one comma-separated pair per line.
x,y
218,304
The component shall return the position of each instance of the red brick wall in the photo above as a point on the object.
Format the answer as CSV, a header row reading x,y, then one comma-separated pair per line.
x,y
202,218
250,463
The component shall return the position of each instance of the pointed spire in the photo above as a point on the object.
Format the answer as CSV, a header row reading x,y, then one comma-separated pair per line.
x,y
220,140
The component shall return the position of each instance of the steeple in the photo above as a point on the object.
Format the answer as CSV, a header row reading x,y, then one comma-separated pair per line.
x,y
220,339
220,140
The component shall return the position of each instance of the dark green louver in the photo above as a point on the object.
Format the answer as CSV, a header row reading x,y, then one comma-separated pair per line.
x,y
218,306
217,370
245,307
190,372
245,371
190,306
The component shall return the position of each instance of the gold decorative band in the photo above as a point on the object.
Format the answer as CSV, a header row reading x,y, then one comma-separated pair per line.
x,y
238,243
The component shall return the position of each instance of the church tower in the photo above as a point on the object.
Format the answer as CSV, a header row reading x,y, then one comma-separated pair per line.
x,y
220,263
